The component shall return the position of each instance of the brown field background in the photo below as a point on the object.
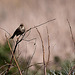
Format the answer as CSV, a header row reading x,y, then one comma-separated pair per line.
x,y
35,12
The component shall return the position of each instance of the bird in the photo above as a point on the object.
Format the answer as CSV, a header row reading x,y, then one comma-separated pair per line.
x,y
19,31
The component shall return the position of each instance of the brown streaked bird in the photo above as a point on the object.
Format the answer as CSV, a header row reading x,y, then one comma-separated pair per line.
x,y
19,31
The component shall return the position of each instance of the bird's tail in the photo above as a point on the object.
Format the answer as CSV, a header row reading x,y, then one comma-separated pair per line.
x,y
12,36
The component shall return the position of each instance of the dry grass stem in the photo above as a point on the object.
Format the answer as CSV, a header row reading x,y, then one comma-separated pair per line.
x,y
48,48
71,33
13,56
44,62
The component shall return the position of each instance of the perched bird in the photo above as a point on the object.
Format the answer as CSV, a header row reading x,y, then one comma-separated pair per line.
x,y
19,31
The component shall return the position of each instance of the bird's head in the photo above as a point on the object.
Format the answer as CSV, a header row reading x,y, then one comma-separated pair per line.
x,y
22,28
21,25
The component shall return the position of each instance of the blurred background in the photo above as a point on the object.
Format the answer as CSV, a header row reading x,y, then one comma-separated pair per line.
x,y
35,12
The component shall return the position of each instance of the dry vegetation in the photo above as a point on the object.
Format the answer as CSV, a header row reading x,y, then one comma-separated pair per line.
x,y
47,46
